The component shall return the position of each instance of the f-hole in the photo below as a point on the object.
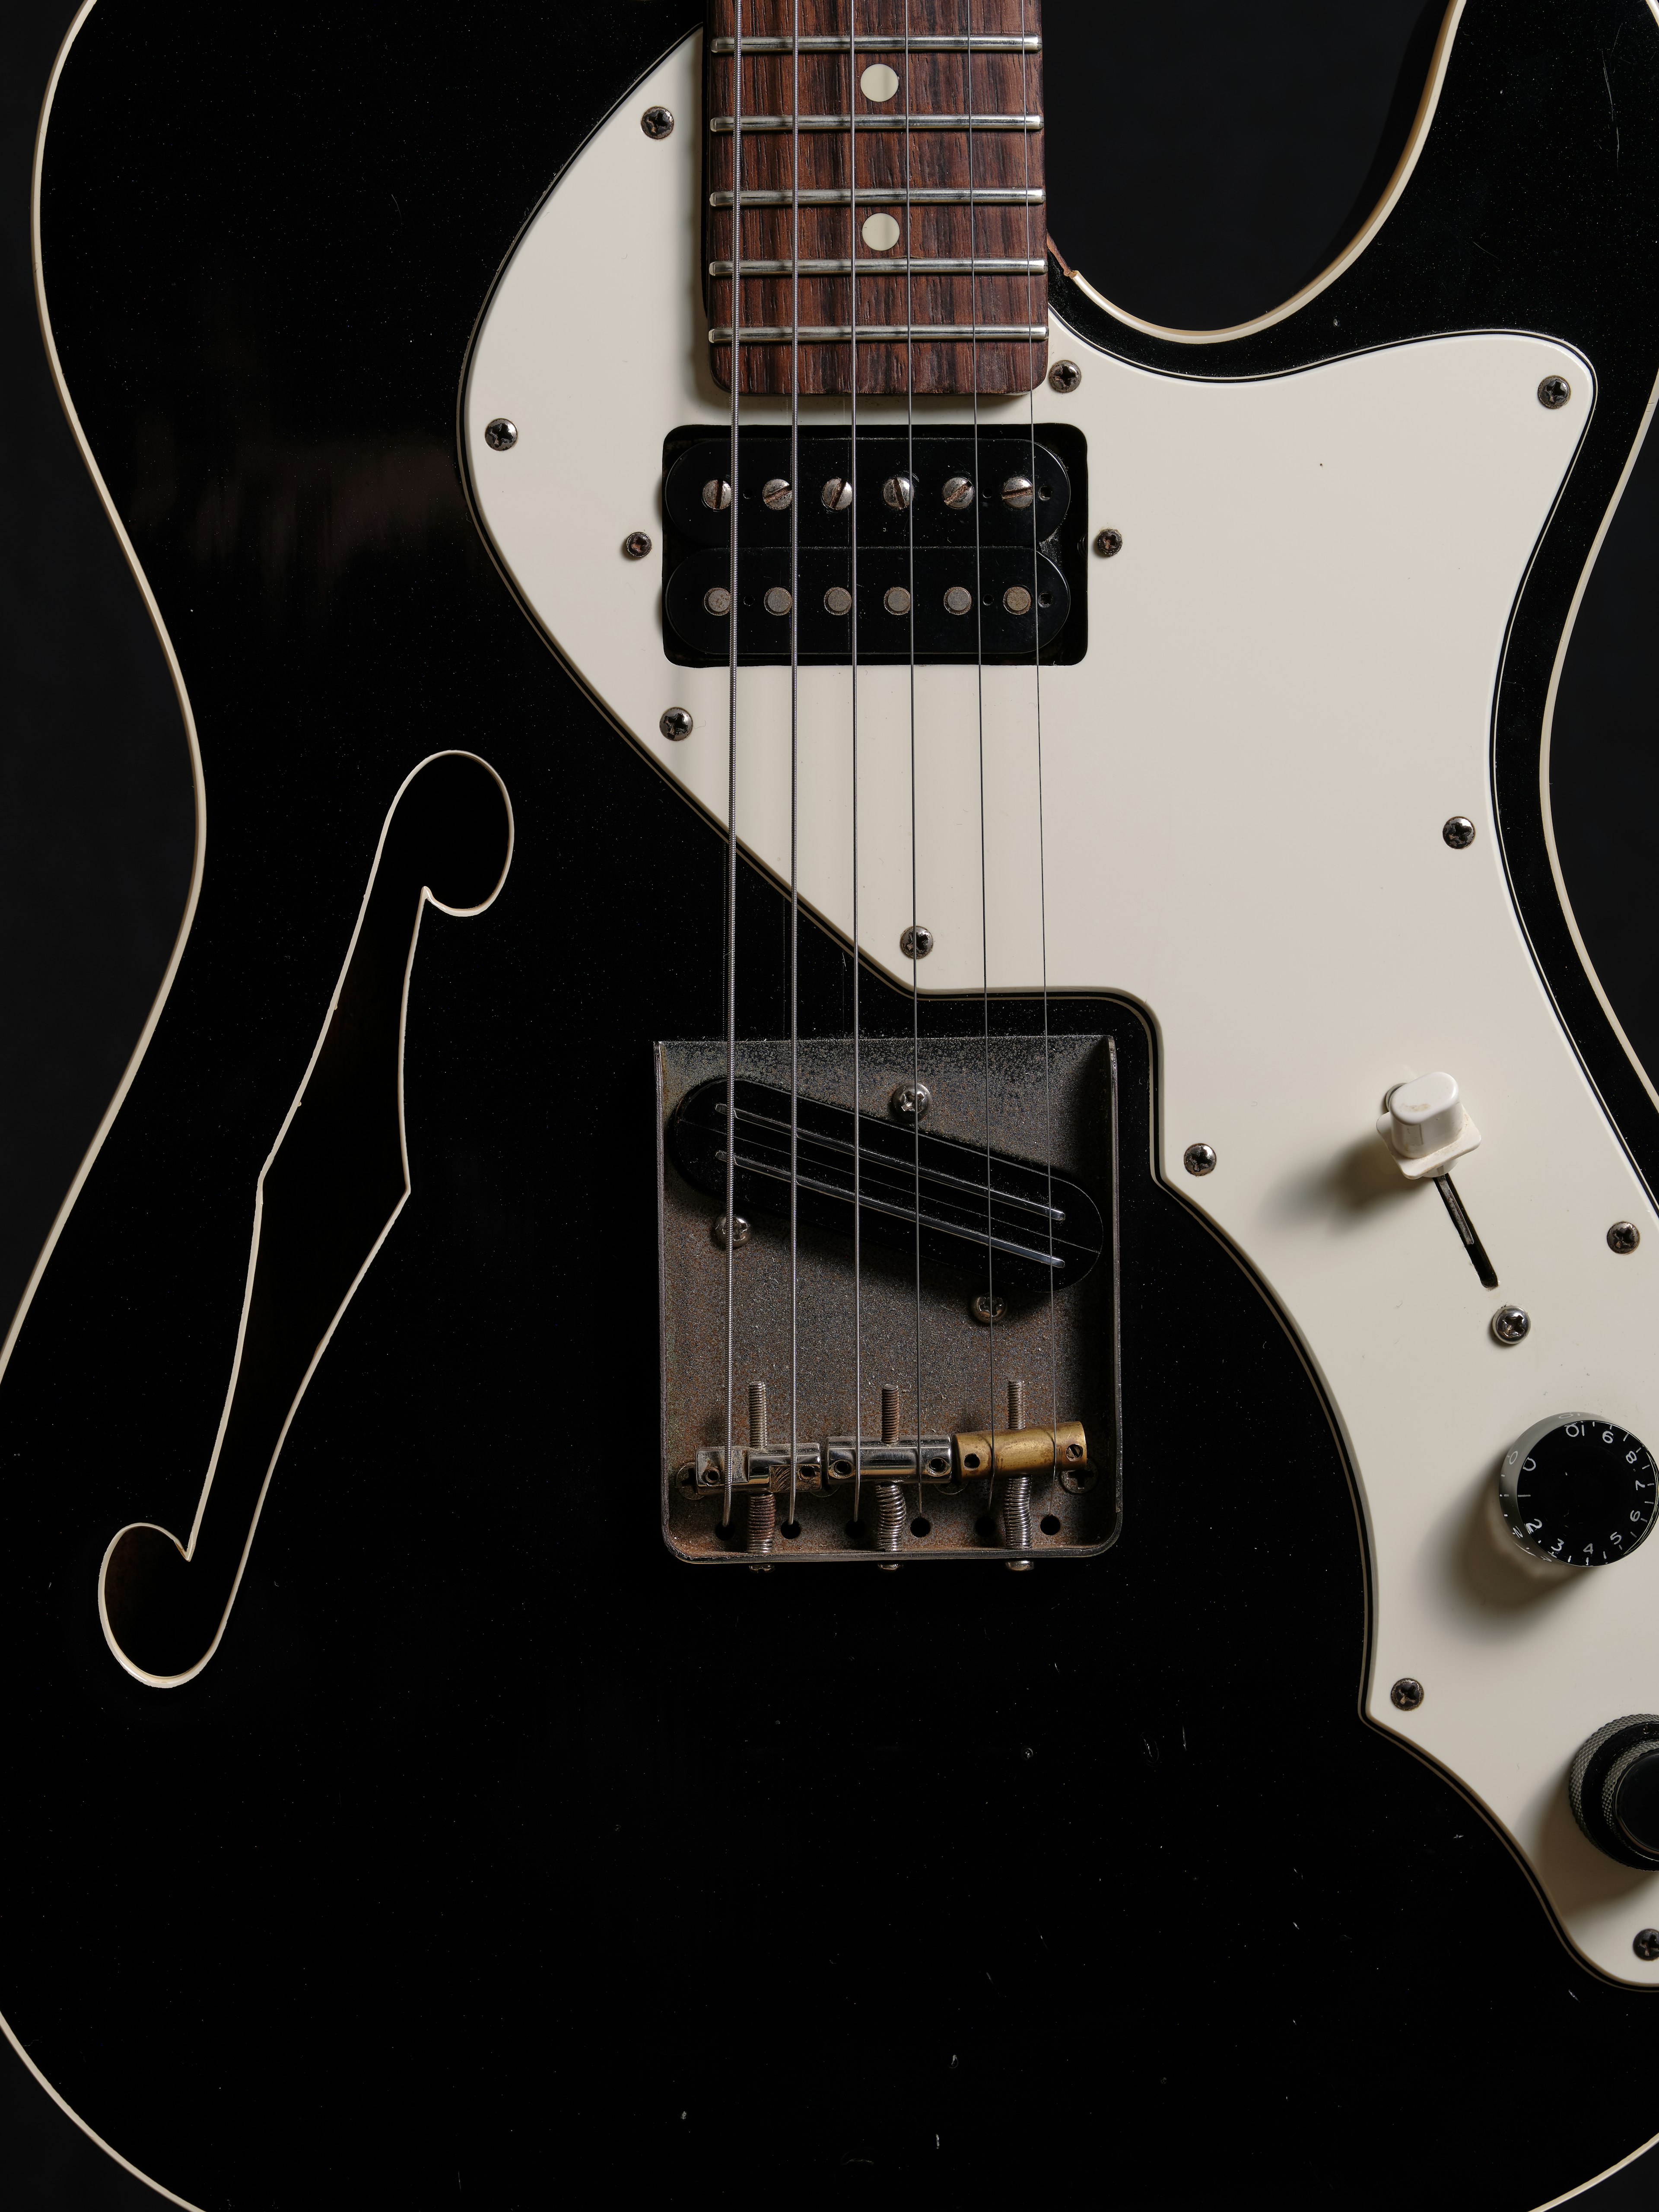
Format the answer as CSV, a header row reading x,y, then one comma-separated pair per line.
x,y
334,1183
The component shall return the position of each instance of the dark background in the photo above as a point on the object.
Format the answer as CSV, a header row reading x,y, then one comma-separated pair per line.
x,y
1203,160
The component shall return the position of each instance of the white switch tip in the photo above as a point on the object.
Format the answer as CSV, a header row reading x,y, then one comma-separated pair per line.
x,y
1426,1112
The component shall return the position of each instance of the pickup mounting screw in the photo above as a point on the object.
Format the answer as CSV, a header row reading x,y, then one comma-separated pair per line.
x,y
744,1233
675,723
1645,1944
1623,1236
501,435
1108,542
910,1102
658,123
1199,1159
1459,833
1554,391
1065,376
1511,1323
916,942
1407,1695
636,544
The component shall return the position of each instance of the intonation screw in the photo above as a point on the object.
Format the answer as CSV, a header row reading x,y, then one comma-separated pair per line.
x,y
763,1517
1623,1236
910,1102
1554,391
1108,542
1511,1323
1407,1695
916,942
1065,376
1199,1159
636,544
658,122
675,723
1016,1491
501,435
1645,1944
1459,833
888,1496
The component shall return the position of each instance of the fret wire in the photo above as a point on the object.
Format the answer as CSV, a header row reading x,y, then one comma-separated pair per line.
x,y
871,265
826,333
982,42
886,196
721,124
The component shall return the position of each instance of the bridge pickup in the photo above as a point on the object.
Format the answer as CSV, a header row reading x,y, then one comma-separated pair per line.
x,y
1017,1223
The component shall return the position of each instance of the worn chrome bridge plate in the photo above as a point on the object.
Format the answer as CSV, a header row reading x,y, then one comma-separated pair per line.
x,y
1063,1348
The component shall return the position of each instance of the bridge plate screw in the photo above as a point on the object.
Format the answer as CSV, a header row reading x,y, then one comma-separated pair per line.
x,y
1554,391
910,1102
1623,1236
501,435
984,1309
1459,833
675,723
1108,542
636,544
1645,1944
744,1233
1407,1695
1065,376
1510,1324
1199,1159
658,122
916,942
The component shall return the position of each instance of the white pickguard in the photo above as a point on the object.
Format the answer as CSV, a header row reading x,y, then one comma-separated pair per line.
x,y
1288,690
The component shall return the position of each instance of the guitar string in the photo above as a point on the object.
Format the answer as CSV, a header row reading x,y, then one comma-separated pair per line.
x,y
794,783
910,620
1036,693
731,751
853,535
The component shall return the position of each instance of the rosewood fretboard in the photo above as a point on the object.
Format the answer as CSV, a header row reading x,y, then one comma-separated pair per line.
x,y
943,241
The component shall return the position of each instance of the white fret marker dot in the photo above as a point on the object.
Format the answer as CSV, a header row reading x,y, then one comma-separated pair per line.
x,y
879,82
880,231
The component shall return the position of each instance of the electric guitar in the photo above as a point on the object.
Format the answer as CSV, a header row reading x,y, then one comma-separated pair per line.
x,y
860,1371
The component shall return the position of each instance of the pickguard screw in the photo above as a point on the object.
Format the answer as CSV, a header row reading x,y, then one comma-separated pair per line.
x,y
984,1309
742,1237
658,123
1108,542
1065,376
1199,1159
1623,1236
676,723
1645,1944
1459,833
1554,391
636,544
910,1102
1510,1324
717,600
916,942
1407,1695
501,435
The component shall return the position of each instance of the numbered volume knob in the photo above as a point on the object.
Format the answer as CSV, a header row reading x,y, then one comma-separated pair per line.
x,y
1577,1489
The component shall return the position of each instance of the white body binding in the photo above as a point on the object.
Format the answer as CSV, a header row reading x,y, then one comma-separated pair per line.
x,y
1288,690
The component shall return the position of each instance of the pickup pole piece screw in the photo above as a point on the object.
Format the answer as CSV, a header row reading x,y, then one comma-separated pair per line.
x,y
1108,542
1623,1236
501,435
777,601
1645,1944
717,494
910,1102
1554,391
776,493
958,599
1016,1491
1510,1324
743,1232
896,600
1065,376
675,723
1017,491
1016,599
658,122
958,491
898,491
717,599
636,544
1459,833
762,1518
888,1496
837,493
838,600
1407,1695
1199,1159
916,942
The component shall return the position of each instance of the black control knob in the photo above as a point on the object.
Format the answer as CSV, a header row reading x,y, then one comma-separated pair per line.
x,y
1613,1790
1577,1489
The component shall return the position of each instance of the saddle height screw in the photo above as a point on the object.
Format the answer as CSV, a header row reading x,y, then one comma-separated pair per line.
x,y
1199,1159
916,942
658,123
888,1496
1459,833
1407,1695
763,1511
1554,391
636,544
1645,1944
1108,542
1511,1323
1016,1491
1065,376
1623,1236
675,723
501,435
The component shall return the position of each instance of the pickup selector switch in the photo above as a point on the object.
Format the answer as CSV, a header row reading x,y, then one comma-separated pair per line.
x,y
1578,1489
1613,1787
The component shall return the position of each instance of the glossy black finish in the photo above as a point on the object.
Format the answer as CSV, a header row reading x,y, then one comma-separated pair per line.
x,y
448,1865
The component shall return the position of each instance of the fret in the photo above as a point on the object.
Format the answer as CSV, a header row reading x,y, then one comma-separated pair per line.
x,y
721,124
890,195
881,42
868,265
827,333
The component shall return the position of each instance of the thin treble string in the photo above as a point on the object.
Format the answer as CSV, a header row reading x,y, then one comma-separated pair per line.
x,y
732,749
910,539
794,781
1036,682
853,532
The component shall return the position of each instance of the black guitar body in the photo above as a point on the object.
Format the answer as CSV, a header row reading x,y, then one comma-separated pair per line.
x,y
497,1858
